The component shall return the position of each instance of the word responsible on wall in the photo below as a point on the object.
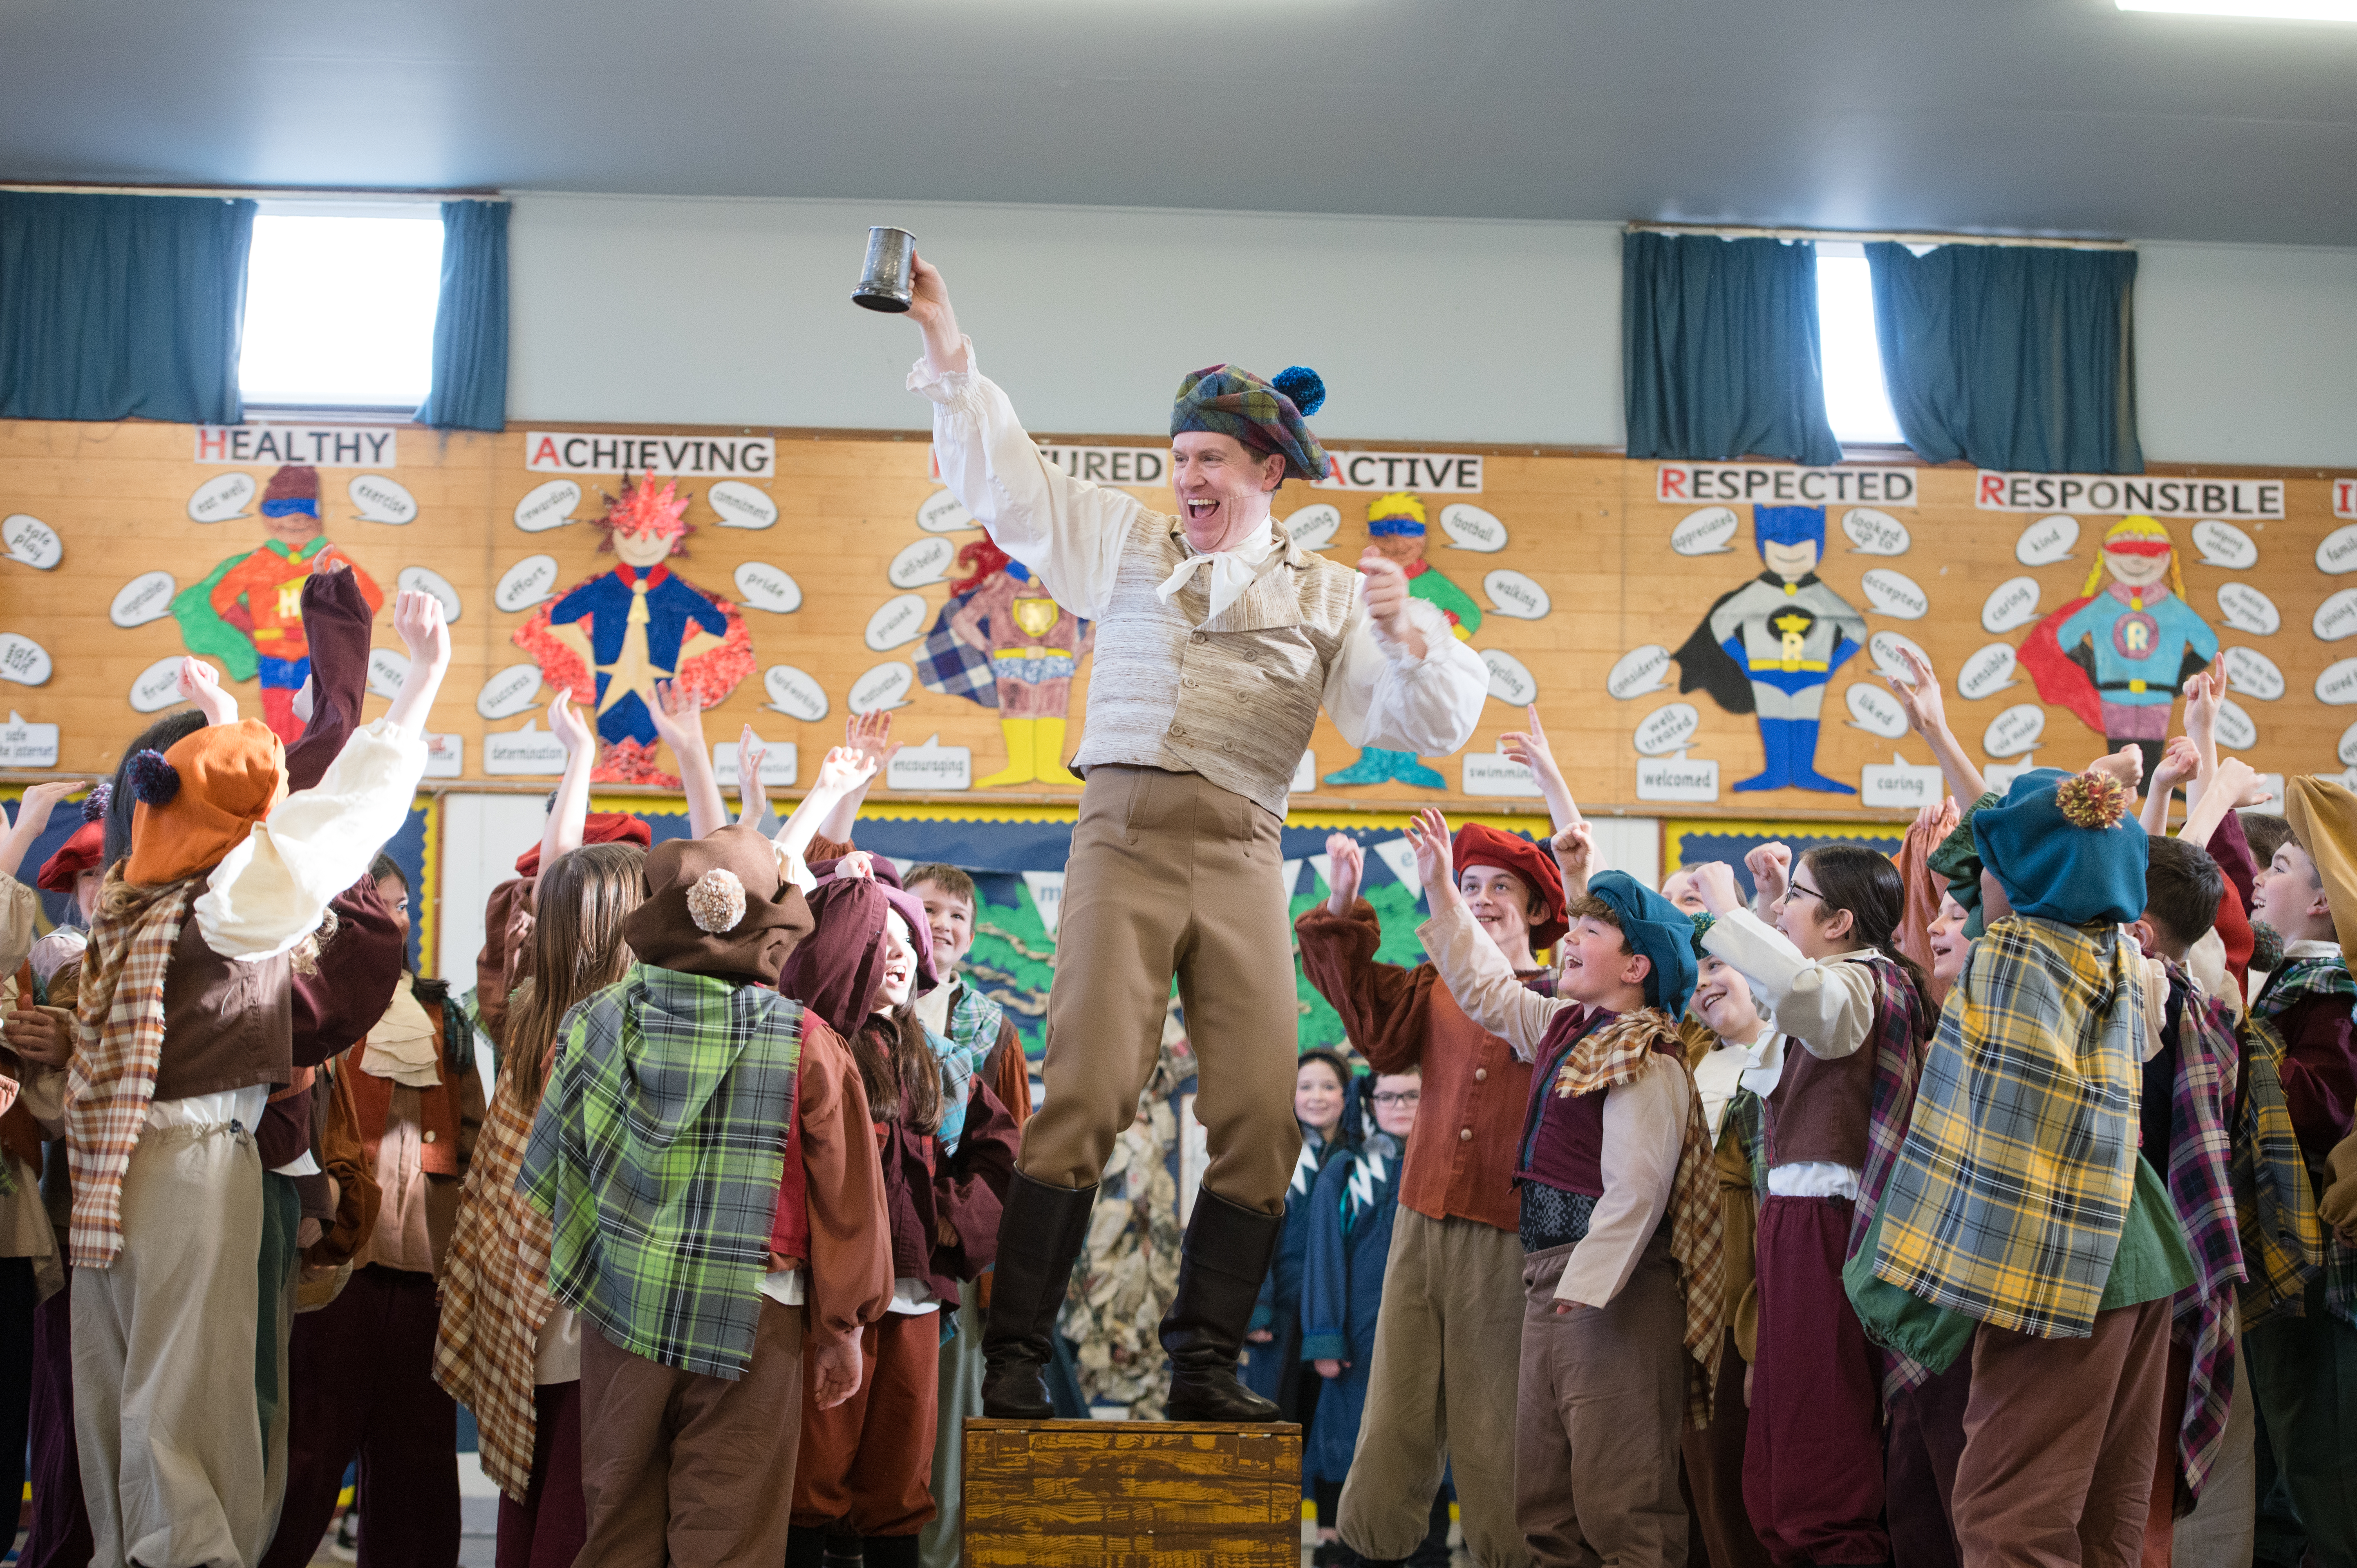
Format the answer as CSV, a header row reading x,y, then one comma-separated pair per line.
x,y
701,456
2115,495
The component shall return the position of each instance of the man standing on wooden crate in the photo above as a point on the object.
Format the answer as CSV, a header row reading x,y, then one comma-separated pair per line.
x,y
1217,641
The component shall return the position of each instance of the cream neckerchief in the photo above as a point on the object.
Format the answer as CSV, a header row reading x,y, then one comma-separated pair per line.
x,y
404,1046
1233,570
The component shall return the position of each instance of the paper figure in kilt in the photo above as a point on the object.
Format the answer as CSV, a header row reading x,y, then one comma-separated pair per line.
x,y
636,625
1001,641
248,611
1395,528
1769,646
2117,655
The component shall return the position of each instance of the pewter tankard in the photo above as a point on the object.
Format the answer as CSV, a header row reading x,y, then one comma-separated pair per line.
x,y
890,272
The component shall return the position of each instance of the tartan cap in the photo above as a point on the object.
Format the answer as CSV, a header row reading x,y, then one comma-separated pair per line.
x,y
1267,417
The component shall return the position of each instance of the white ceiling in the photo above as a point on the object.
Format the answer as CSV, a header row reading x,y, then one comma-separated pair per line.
x,y
2040,117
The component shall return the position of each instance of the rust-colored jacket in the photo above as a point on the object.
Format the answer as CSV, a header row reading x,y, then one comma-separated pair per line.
x,y
833,1172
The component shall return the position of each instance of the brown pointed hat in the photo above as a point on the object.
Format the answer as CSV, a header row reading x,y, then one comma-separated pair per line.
x,y
717,905
2323,816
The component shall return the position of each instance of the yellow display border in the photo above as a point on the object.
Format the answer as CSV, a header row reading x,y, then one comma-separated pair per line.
x,y
930,812
1674,831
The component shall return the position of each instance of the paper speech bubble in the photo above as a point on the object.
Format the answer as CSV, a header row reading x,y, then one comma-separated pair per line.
x,y
1510,679
1874,533
1668,728
1986,672
1899,783
426,580
930,764
2253,673
548,506
883,686
1513,593
942,514
1706,531
530,581
794,692
379,497
30,540
925,561
158,687
764,587
530,752
781,764
740,505
512,690
1638,672
2336,552
1895,594
23,660
898,621
148,597
2235,730
2046,540
2223,544
2336,618
1874,710
1883,648
2013,604
2337,686
2245,608
386,670
1314,527
26,745
2014,731
1469,527
2347,751
220,497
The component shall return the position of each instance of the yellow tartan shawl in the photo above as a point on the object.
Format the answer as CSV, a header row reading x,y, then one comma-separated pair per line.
x,y
1617,1053
2274,1206
2006,1200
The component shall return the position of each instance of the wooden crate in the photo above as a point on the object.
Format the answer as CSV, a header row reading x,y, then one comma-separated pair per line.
x,y
1141,1494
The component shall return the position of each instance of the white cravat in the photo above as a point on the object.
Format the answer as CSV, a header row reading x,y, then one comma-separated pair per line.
x,y
1233,570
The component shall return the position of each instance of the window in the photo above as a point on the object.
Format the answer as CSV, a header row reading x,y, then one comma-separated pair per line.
x,y
339,302
1857,402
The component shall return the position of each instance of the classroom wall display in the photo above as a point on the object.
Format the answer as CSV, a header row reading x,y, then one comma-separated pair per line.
x,y
1707,639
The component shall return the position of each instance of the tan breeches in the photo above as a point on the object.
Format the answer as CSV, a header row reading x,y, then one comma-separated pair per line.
x,y
1171,875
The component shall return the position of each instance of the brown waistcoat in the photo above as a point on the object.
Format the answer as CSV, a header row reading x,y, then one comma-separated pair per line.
x,y
228,1022
1819,1110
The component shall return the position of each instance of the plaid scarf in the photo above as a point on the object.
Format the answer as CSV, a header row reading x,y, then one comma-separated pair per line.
x,y
656,1152
1617,1052
2274,1207
972,1034
118,1045
1903,1022
2299,978
494,1289
2198,1160
2008,1198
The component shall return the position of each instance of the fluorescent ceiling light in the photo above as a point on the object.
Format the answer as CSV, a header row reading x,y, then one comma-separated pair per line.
x,y
2253,10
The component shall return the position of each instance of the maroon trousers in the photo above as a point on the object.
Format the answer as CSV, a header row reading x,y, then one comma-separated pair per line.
x,y
361,1371
1927,1440
60,1536
548,1529
1813,1456
1714,1461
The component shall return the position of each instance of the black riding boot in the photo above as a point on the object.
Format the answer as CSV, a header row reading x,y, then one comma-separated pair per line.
x,y
1226,1257
1039,1233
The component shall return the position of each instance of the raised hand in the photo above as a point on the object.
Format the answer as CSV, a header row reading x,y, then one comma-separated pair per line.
x,y
417,621
1770,866
200,684
859,866
2241,783
565,723
844,769
2205,693
678,715
1575,851
1528,747
1430,834
1387,597
2125,766
1350,869
872,733
1715,884
1918,694
752,796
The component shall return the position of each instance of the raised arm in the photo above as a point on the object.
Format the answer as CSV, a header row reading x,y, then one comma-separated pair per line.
x,y
2180,761
568,812
1470,965
1384,689
1530,749
1927,715
1384,1007
678,714
843,771
870,734
33,814
752,798
1828,1007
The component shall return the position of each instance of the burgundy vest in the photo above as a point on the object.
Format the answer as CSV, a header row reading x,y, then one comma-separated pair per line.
x,y
228,1022
1819,1111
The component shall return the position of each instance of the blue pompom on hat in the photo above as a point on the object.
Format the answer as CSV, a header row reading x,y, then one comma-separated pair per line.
x,y
1228,400
154,779
2064,848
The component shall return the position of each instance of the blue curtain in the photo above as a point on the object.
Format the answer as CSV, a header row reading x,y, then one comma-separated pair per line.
x,y
2012,357
470,323
119,305
1720,348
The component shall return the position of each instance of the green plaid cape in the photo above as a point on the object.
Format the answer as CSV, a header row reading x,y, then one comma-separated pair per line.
x,y
2008,1198
656,1154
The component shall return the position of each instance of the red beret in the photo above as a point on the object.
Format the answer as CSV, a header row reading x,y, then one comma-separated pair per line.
x,y
1479,845
76,855
603,827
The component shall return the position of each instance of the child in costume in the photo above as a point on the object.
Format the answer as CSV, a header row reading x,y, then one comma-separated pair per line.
x,y
2019,1224
1449,1331
1395,528
1272,1361
1852,1011
1770,648
184,1026
31,1095
701,1151
1623,1313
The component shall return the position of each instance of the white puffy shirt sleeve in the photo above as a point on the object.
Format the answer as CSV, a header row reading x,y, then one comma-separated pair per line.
x,y
1829,1007
270,891
1069,533
1644,1128
1484,985
1380,694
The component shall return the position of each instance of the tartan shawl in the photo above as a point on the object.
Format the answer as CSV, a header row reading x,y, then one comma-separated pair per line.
x,y
2274,1207
2008,1198
2299,978
656,1152
2203,1320
1616,1053
972,1034
118,1045
495,1299
1903,1022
